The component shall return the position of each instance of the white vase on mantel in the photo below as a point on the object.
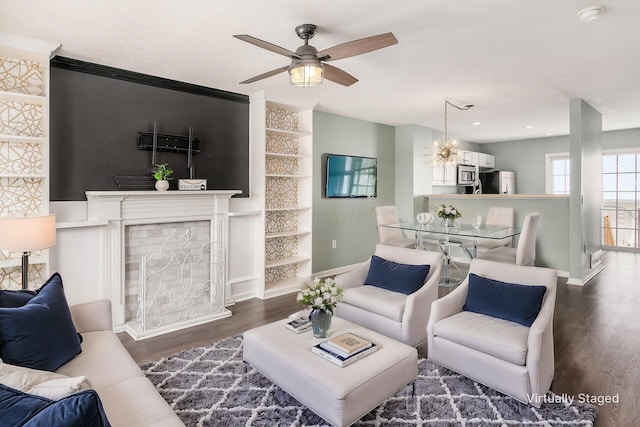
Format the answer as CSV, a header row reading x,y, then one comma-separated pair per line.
x,y
162,185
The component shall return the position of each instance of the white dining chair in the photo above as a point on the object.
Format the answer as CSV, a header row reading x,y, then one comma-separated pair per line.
x,y
499,216
391,236
525,252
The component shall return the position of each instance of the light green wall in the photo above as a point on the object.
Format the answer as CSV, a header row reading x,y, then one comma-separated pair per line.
x,y
627,138
351,222
530,173
585,204
526,158
413,169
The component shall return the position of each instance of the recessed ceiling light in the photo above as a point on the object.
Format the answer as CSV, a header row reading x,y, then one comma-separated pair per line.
x,y
548,134
475,123
528,127
590,13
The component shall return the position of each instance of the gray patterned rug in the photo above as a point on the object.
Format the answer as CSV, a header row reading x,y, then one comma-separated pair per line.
x,y
208,386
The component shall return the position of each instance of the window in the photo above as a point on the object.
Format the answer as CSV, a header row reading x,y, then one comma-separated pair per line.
x,y
620,198
557,173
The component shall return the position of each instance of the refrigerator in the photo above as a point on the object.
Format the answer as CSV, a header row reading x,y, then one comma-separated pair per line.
x,y
498,182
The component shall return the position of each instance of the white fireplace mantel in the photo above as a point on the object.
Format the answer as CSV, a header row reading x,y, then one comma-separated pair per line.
x,y
122,208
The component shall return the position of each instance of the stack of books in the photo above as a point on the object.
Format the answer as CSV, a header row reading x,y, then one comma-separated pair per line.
x,y
344,349
299,325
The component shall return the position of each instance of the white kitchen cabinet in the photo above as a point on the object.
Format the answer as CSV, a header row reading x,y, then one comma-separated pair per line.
x,y
468,158
444,174
486,160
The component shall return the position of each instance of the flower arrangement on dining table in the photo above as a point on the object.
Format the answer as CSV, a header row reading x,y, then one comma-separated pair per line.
x,y
448,212
323,294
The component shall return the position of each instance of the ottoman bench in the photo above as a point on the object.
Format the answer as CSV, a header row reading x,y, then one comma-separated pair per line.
x,y
340,396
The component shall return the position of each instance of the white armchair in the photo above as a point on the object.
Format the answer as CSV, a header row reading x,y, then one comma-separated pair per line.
x,y
509,357
394,314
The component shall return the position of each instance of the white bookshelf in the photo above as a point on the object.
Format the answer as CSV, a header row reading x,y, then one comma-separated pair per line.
x,y
282,146
24,145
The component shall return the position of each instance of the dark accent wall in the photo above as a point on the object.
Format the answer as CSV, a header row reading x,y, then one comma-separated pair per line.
x,y
97,112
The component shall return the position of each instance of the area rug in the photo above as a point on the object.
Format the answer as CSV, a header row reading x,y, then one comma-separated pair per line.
x,y
209,386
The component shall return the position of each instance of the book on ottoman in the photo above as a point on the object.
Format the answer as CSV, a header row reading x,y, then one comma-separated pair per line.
x,y
346,344
364,349
299,325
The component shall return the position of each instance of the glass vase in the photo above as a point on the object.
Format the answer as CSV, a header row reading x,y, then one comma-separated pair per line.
x,y
320,322
449,222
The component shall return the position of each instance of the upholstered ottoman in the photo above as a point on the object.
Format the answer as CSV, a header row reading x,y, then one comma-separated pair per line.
x,y
339,395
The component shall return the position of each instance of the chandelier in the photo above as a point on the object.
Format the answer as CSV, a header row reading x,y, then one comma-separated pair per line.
x,y
445,150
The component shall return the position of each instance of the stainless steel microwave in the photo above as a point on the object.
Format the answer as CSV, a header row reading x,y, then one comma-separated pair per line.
x,y
466,175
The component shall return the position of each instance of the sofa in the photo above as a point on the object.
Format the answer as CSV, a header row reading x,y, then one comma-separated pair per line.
x,y
126,396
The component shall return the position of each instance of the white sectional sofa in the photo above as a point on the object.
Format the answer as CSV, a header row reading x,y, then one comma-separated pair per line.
x,y
128,397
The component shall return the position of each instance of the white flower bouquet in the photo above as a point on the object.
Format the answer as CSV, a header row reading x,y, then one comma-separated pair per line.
x,y
448,212
323,295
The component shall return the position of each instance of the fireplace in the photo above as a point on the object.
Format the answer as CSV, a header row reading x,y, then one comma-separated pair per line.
x,y
167,257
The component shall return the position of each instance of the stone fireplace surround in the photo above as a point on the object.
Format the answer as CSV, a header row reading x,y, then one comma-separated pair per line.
x,y
124,208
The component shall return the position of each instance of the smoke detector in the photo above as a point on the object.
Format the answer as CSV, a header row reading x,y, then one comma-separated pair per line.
x,y
590,13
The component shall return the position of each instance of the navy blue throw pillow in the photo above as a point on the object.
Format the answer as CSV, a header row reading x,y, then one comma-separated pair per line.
x,y
82,409
13,299
403,278
508,301
40,334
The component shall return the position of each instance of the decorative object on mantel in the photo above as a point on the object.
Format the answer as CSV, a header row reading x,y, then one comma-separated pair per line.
x,y
209,385
135,182
192,184
449,215
445,149
174,143
162,174
322,297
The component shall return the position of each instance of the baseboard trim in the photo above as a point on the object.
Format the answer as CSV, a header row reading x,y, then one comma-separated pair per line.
x,y
585,279
334,271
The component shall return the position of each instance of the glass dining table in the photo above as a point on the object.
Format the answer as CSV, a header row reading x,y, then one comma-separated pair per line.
x,y
448,236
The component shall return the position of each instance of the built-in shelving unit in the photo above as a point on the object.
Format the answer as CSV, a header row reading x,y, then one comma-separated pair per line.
x,y
282,138
24,145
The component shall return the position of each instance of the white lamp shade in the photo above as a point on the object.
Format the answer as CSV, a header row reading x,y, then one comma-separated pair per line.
x,y
27,233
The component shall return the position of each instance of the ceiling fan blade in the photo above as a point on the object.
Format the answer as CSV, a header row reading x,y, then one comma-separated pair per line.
x,y
357,47
266,45
265,75
336,75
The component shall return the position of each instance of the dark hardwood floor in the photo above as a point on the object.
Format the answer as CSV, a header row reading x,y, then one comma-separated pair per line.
x,y
597,339
596,331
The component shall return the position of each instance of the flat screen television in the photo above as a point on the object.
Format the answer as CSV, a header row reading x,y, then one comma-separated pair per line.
x,y
350,176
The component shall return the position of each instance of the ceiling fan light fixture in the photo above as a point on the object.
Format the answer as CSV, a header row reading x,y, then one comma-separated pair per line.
x,y
306,73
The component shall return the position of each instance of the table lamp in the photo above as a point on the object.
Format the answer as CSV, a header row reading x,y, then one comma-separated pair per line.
x,y
26,234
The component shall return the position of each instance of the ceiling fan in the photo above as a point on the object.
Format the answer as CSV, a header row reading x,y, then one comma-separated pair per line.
x,y
308,66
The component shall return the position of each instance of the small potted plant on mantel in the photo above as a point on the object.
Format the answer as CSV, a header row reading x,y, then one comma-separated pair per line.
x,y
162,174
